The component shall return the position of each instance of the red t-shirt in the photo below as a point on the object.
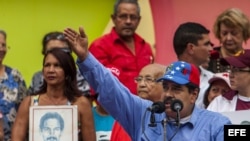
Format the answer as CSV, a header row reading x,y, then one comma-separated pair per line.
x,y
112,52
242,105
118,133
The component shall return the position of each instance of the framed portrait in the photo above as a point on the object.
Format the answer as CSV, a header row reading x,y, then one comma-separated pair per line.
x,y
58,123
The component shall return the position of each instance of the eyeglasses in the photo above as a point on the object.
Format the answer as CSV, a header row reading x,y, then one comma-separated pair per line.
x,y
124,17
234,70
147,80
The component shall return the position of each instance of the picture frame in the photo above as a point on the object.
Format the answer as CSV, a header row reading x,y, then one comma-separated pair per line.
x,y
59,122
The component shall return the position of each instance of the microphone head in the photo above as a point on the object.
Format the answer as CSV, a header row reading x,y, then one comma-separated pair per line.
x,y
159,107
176,105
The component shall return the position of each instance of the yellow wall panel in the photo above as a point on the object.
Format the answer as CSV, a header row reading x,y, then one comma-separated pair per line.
x,y
26,22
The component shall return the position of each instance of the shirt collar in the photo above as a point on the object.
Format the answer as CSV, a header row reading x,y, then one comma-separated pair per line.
x,y
195,115
191,119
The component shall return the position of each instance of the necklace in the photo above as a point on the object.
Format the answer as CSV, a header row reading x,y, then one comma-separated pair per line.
x,y
225,53
54,101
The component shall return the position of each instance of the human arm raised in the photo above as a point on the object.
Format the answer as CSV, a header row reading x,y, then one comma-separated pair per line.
x,y
79,42
113,95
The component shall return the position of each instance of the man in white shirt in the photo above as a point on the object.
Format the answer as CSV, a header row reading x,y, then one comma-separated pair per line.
x,y
192,44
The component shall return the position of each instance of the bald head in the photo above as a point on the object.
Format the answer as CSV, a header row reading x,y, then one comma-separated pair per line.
x,y
155,69
147,89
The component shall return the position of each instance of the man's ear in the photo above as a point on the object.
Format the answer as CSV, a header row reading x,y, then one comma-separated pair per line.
x,y
139,19
194,95
113,17
190,48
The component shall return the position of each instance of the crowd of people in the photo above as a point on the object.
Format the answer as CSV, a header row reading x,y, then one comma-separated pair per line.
x,y
114,82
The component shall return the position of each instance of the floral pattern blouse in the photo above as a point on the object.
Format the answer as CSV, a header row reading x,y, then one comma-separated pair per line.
x,y
12,91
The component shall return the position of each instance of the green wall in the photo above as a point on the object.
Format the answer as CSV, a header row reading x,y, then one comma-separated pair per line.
x,y
26,22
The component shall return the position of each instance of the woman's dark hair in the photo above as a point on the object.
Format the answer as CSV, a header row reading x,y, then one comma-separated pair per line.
x,y
67,63
205,99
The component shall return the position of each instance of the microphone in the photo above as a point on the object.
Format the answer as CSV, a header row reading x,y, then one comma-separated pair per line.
x,y
176,105
157,107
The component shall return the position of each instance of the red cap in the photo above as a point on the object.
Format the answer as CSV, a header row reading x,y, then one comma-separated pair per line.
x,y
182,73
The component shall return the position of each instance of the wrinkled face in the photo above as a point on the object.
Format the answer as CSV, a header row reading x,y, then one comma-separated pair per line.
x,y
51,130
3,47
239,78
147,87
181,92
126,20
52,71
201,51
218,87
231,38
55,44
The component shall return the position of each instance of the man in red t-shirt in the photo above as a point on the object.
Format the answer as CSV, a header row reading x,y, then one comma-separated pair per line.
x,y
123,51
